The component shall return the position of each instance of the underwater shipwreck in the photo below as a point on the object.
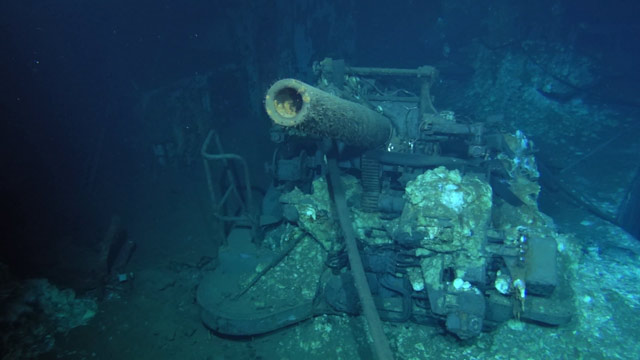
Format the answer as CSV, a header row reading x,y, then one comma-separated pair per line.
x,y
320,180
383,206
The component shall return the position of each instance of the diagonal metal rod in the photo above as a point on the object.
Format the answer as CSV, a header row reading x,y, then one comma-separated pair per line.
x,y
380,346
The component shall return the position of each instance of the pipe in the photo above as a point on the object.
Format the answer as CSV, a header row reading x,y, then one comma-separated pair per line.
x,y
309,111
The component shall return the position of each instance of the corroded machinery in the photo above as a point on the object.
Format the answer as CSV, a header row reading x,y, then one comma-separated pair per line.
x,y
443,207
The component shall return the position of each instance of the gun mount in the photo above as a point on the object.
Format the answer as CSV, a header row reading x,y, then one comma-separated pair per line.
x,y
444,211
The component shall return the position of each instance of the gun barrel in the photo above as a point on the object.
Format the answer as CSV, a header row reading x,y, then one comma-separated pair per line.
x,y
311,112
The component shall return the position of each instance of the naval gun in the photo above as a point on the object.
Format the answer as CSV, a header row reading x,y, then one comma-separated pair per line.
x,y
444,210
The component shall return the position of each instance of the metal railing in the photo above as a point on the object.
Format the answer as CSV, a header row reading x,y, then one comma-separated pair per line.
x,y
230,204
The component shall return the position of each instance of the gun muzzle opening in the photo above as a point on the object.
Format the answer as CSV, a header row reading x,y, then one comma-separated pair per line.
x,y
287,102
